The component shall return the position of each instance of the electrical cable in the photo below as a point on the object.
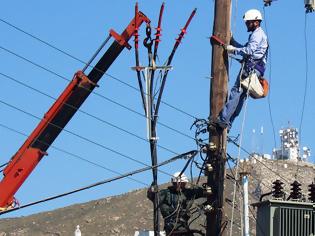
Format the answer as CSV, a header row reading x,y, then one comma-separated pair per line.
x,y
236,144
306,76
81,137
95,93
4,164
86,113
270,80
79,60
94,184
70,154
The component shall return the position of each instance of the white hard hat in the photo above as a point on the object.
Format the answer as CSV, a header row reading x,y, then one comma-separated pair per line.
x,y
179,179
252,14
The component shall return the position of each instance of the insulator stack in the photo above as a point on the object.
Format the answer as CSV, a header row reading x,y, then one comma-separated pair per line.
x,y
278,189
311,195
296,193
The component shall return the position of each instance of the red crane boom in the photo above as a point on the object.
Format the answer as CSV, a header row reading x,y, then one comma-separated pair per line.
x,y
34,148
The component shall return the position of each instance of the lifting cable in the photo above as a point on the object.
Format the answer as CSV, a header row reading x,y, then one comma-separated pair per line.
x,y
85,63
184,155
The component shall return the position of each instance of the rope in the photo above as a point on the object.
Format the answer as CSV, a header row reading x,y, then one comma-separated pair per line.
x,y
306,77
238,160
270,80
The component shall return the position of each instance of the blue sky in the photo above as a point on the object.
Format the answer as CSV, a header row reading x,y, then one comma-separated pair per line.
x,y
79,27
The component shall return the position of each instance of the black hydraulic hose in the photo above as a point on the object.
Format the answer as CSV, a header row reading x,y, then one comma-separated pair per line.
x,y
169,61
137,58
156,45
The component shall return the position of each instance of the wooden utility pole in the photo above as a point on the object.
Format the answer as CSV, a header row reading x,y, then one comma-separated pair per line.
x,y
216,155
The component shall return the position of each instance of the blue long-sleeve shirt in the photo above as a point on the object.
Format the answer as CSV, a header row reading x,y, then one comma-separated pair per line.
x,y
256,47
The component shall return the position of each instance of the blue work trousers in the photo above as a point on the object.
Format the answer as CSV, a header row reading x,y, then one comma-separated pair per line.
x,y
235,102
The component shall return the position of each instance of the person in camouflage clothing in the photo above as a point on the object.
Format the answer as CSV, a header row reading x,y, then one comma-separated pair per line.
x,y
175,202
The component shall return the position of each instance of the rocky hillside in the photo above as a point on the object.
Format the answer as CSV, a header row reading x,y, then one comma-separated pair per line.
x,y
117,215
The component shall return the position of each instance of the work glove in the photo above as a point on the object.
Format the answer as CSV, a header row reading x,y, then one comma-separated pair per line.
x,y
230,49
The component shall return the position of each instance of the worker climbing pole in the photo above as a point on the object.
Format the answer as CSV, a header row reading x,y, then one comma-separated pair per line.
x,y
151,100
216,151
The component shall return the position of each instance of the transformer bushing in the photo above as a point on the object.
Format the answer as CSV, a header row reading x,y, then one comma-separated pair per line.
x,y
296,193
311,195
278,189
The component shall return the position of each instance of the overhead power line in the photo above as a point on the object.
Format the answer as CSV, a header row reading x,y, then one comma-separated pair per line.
x,y
95,93
70,154
188,154
236,144
86,113
85,63
76,135
84,138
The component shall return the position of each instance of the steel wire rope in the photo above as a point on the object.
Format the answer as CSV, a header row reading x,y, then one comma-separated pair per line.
x,y
306,76
95,93
82,61
93,185
270,80
84,112
82,137
70,154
